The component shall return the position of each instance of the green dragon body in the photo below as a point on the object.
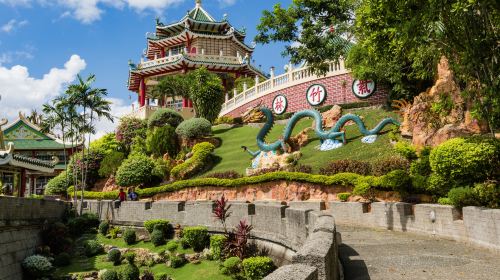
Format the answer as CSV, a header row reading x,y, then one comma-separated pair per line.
x,y
332,134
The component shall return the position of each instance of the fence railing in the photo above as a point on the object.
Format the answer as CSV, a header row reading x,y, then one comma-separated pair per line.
x,y
276,83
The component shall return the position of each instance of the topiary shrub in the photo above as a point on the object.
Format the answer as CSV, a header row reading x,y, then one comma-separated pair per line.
x,y
158,237
231,265
176,261
163,117
384,166
109,275
135,170
397,180
194,128
128,272
37,266
104,227
87,222
463,162
488,194
129,236
200,160
151,224
406,150
346,166
343,196
217,244
172,245
463,196
365,187
184,243
197,237
115,256
59,184
161,141
63,259
256,268
92,248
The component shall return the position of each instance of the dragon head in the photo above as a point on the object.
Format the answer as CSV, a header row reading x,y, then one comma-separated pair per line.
x,y
253,114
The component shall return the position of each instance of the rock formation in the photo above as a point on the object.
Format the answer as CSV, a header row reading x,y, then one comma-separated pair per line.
x,y
440,113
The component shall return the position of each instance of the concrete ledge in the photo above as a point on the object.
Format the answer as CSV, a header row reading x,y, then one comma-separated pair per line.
x,y
294,272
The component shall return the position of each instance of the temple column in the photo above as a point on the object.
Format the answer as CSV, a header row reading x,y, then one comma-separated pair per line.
x,y
22,188
142,93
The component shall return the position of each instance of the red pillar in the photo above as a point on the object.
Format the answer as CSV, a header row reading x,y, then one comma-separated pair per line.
x,y
190,103
162,52
185,102
142,93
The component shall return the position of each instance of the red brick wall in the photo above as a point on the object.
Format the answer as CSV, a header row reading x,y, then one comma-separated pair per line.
x,y
336,94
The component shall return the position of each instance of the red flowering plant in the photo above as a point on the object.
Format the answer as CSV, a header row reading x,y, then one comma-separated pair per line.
x,y
221,211
237,241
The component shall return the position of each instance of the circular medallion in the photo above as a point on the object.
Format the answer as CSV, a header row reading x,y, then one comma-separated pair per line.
x,y
316,94
363,88
279,104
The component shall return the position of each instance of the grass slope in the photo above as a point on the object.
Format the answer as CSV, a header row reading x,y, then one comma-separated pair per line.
x,y
232,156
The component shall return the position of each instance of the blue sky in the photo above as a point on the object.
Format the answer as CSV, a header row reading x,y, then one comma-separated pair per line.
x,y
45,43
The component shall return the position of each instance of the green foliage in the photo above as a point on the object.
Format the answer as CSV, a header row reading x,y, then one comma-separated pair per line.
x,y
256,268
217,243
161,170
397,180
37,266
176,262
104,227
164,117
138,147
444,201
162,140
232,265
130,257
114,231
230,174
344,196
207,93
63,259
224,120
172,245
92,248
406,150
110,163
201,159
59,184
128,272
129,236
106,144
386,165
488,194
194,128
136,170
115,256
89,163
346,166
463,196
109,275
184,243
163,276
197,237
130,128
238,83
365,187
150,225
87,222
306,23
157,237
464,161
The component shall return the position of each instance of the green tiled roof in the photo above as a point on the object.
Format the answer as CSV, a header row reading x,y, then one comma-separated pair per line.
x,y
200,15
36,144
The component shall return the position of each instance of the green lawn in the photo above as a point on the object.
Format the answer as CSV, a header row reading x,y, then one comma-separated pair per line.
x,y
206,270
232,156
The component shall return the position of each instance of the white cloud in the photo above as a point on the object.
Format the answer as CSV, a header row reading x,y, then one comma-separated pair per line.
x,y
9,57
16,2
226,3
13,24
118,109
21,92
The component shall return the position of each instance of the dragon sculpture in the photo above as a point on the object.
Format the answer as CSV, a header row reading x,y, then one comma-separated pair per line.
x,y
331,134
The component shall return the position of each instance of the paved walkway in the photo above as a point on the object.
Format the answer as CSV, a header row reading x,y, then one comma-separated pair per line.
x,y
381,254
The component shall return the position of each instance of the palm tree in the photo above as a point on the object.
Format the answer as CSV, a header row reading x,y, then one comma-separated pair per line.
x,y
171,86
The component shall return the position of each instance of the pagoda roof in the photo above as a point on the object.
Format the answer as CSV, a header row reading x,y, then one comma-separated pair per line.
x,y
190,61
9,158
154,43
26,135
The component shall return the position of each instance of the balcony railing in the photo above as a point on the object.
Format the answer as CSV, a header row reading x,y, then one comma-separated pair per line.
x,y
197,57
276,83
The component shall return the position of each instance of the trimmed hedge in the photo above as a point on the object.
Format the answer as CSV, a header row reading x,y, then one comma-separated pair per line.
x,y
197,237
165,116
200,160
256,268
217,243
134,171
194,128
151,224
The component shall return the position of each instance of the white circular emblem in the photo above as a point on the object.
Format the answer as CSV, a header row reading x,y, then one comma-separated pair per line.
x,y
316,94
279,104
363,88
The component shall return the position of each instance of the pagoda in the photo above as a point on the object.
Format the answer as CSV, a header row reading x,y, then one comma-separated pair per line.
x,y
197,40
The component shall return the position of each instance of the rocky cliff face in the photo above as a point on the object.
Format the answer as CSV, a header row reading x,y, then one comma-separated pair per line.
x,y
440,113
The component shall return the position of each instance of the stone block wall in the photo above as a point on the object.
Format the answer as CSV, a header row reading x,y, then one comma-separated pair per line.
x,y
299,235
479,226
338,89
20,224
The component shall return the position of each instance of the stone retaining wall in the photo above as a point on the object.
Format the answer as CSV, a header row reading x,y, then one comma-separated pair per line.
x,y
20,223
478,226
297,236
